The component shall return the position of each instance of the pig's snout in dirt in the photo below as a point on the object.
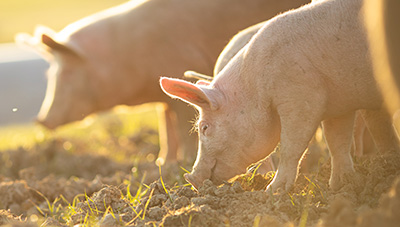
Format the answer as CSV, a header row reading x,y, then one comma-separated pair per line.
x,y
217,172
202,170
189,178
196,177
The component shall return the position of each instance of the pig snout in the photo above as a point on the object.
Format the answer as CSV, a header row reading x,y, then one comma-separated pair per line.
x,y
49,119
52,120
217,172
197,180
194,181
45,123
202,170
197,176
54,116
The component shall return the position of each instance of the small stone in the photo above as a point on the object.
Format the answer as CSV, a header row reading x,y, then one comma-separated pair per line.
x,y
187,192
208,188
51,222
236,187
198,201
181,202
223,190
15,208
156,213
109,220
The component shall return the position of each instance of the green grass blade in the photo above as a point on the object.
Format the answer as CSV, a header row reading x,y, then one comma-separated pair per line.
x,y
147,203
162,183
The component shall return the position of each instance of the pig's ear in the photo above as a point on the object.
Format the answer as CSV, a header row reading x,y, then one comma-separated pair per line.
x,y
188,92
203,82
51,43
42,42
47,38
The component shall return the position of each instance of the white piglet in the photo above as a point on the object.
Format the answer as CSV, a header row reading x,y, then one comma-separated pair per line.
x,y
303,67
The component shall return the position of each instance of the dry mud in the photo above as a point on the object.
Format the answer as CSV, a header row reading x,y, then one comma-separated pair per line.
x,y
51,186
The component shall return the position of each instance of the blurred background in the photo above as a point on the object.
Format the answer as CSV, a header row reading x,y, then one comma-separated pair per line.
x,y
23,15
22,71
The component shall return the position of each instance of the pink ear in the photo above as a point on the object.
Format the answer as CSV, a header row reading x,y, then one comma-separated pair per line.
x,y
50,42
185,91
45,36
56,46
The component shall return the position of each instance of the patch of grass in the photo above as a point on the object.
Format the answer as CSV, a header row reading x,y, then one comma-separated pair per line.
x,y
14,136
308,199
115,125
69,209
134,200
253,182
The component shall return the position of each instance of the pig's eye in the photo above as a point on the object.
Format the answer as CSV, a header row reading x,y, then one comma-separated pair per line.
x,y
203,128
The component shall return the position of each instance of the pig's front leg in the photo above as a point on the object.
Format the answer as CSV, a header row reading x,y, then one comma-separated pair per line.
x,y
339,136
298,125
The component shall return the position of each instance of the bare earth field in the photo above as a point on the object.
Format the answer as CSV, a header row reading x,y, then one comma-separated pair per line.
x,y
70,182
64,183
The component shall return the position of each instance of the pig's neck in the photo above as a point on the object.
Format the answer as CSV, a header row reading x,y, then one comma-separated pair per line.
x,y
240,87
245,95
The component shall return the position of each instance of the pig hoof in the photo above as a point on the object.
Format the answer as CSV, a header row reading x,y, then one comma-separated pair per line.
x,y
337,181
275,188
160,161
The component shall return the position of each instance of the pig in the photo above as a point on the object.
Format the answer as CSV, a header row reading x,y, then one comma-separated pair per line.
x,y
304,67
362,140
116,57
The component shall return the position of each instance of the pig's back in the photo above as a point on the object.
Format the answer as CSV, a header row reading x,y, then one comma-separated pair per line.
x,y
321,48
192,32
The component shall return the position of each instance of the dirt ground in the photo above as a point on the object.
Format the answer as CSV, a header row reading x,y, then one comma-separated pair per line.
x,y
50,185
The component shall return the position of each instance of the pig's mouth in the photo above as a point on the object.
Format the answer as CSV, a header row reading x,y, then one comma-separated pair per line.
x,y
46,124
213,178
189,178
197,181
52,124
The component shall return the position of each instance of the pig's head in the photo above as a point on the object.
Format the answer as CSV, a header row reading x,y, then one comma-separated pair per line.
x,y
229,140
69,95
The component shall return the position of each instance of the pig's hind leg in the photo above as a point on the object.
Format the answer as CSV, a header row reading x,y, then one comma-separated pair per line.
x,y
339,137
379,123
168,136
